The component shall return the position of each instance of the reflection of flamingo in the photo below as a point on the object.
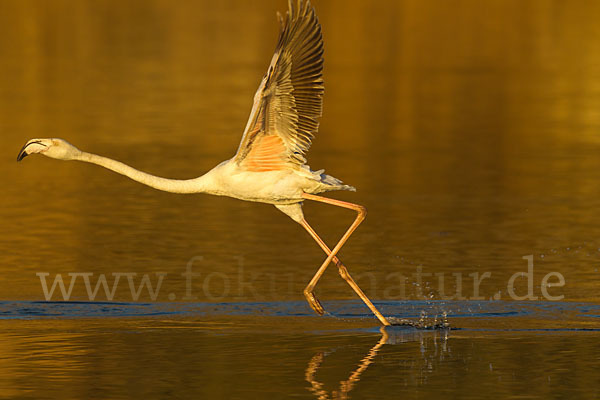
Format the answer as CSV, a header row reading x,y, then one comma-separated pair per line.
x,y
347,385
269,165
410,332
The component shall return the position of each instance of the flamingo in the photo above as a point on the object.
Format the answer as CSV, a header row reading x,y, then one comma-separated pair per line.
x,y
269,165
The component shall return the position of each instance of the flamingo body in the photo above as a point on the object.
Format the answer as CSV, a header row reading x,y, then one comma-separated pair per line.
x,y
269,165
284,186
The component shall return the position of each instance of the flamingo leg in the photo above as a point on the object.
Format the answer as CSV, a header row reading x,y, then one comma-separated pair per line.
x,y
331,256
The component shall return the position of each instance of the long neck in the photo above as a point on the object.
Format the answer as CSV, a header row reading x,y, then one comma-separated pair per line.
x,y
197,185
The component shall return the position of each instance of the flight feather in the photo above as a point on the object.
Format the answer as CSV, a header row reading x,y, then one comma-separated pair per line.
x,y
289,101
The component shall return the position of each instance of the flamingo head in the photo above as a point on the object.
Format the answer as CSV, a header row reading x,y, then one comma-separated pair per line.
x,y
53,148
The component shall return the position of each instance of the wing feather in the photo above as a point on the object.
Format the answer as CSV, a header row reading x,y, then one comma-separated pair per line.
x,y
289,101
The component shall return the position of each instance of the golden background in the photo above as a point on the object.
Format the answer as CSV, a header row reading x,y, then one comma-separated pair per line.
x,y
470,128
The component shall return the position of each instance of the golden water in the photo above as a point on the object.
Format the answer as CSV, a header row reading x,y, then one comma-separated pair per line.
x,y
470,129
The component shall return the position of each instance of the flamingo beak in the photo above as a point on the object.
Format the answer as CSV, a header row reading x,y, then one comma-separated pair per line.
x,y
23,153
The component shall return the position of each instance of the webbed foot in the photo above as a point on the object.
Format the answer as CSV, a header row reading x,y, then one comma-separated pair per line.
x,y
314,303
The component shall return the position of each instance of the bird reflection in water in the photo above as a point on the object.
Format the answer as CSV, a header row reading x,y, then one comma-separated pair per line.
x,y
388,336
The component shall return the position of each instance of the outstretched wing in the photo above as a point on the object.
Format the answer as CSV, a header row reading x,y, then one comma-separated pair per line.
x,y
289,100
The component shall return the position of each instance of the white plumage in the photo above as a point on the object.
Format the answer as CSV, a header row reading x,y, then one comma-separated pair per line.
x,y
269,166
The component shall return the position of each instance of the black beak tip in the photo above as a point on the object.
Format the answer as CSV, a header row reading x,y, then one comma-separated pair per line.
x,y
22,155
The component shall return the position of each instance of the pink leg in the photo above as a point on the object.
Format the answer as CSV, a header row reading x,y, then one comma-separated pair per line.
x,y
331,256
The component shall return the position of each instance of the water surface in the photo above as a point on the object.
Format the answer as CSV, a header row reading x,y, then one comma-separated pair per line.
x,y
471,130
